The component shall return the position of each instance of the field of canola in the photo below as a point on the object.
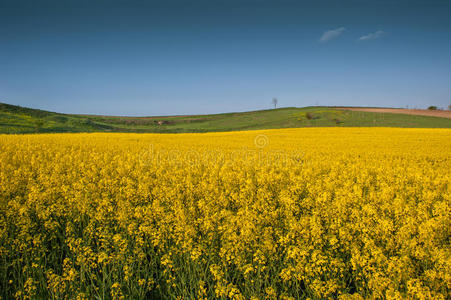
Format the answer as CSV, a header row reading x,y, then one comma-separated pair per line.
x,y
346,213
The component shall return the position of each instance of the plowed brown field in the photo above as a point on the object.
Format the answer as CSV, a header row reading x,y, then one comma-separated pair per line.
x,y
420,112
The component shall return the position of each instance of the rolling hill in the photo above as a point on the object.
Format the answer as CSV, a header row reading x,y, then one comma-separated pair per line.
x,y
15,119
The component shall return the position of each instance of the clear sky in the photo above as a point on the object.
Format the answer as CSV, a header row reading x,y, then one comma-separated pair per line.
x,y
191,57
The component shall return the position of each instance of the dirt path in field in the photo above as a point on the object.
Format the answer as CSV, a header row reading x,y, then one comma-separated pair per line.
x,y
420,112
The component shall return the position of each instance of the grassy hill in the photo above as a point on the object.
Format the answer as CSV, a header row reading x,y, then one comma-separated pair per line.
x,y
16,119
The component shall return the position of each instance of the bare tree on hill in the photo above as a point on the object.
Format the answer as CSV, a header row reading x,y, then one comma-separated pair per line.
x,y
274,101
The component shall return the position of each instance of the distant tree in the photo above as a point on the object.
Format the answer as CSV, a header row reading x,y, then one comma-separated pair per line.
x,y
432,107
449,107
274,101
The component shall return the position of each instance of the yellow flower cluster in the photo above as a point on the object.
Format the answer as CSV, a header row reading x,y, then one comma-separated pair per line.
x,y
345,213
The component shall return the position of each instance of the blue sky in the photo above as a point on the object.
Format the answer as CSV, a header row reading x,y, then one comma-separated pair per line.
x,y
193,57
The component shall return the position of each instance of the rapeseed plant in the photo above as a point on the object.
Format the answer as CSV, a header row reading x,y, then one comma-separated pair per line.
x,y
346,213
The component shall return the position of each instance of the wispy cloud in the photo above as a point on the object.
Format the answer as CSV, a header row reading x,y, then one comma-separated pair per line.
x,y
372,36
331,34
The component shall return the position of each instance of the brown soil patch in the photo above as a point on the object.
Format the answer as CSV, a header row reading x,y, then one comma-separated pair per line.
x,y
419,112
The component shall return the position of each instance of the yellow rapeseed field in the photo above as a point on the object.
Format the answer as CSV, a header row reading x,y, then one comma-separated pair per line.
x,y
345,213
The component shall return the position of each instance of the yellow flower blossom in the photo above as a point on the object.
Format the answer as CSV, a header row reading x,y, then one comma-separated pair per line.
x,y
319,213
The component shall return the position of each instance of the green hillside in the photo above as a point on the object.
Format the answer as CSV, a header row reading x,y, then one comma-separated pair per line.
x,y
16,119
